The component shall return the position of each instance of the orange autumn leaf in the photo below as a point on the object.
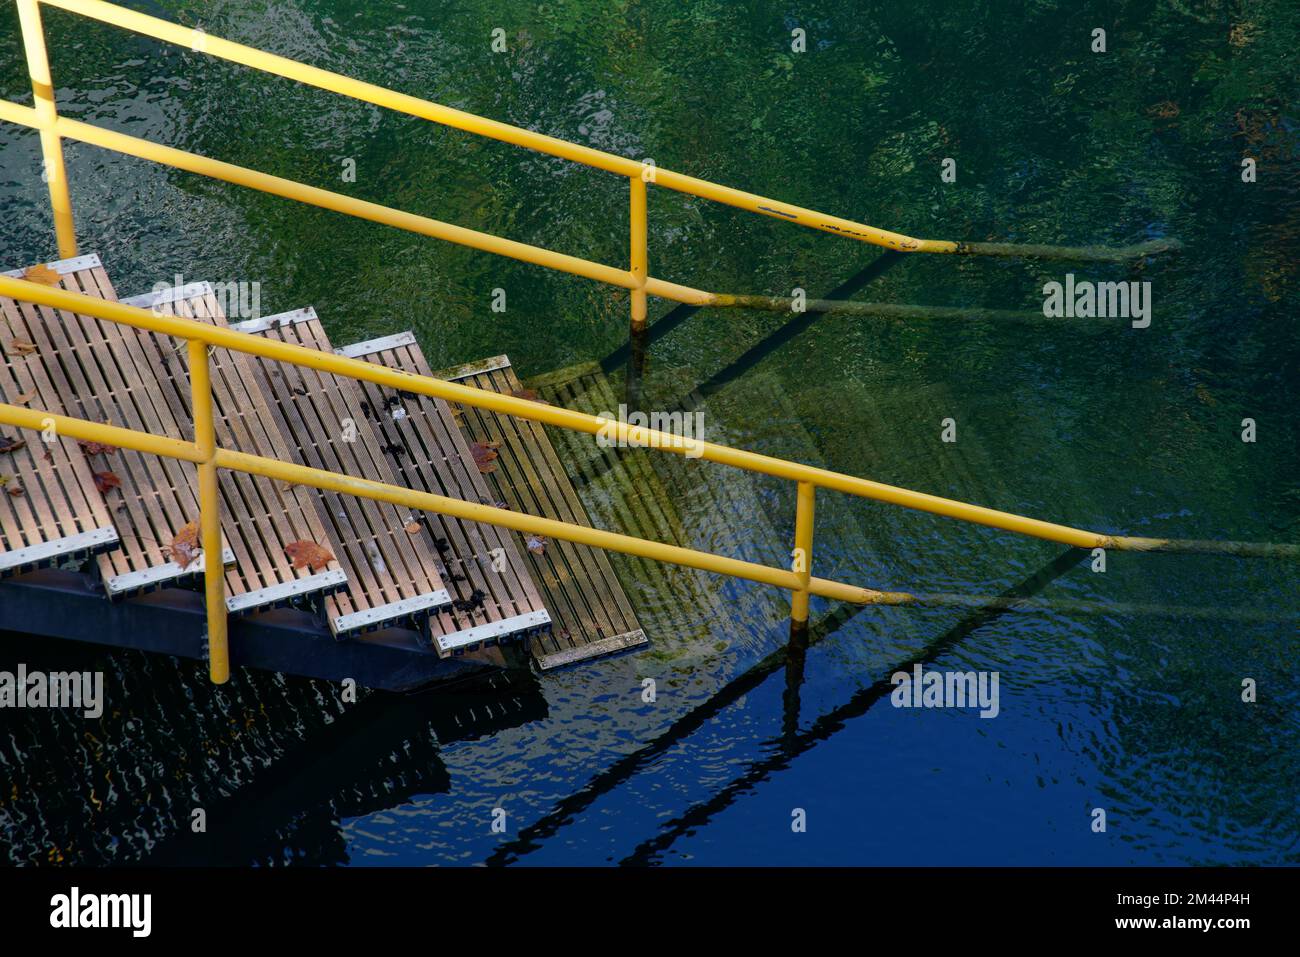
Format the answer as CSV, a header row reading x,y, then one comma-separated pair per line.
x,y
413,528
25,398
308,555
14,489
484,453
20,347
185,546
41,273
536,544
106,481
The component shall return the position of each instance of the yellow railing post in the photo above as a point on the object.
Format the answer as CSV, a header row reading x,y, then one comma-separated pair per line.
x,y
640,265
802,556
38,65
214,571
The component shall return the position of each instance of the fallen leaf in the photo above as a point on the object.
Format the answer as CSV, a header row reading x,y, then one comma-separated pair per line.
x,y
42,274
530,395
20,347
413,528
106,481
15,489
185,548
96,448
484,453
11,445
308,555
25,398
6,479
536,544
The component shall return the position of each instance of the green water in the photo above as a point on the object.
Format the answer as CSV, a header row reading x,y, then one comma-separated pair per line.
x,y
1096,425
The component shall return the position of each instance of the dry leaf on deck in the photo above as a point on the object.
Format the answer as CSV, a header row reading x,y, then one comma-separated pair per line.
x,y
484,453
11,445
536,544
413,528
42,274
530,395
96,448
25,398
106,481
14,489
20,347
308,555
185,546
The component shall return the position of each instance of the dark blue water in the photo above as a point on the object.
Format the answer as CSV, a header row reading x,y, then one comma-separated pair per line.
x,y
1099,426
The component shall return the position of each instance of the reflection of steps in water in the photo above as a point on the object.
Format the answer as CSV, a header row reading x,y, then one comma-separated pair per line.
x,y
122,788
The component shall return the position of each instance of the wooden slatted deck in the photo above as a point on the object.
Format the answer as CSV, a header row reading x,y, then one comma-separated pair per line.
x,y
259,516
591,612
392,573
96,369
50,510
496,600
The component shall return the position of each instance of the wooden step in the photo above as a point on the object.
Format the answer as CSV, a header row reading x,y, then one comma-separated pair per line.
x,y
392,574
97,369
591,611
259,516
495,598
50,510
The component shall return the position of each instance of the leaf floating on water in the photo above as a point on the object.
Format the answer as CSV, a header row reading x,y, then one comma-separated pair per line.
x,y
308,555
41,273
11,445
20,347
484,453
96,448
185,548
536,544
106,481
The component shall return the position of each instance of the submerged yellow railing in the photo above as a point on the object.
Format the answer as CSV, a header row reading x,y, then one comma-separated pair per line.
x,y
209,457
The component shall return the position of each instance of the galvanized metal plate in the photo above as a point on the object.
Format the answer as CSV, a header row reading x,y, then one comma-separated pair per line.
x,y
135,581
371,346
100,539
322,582
494,631
393,611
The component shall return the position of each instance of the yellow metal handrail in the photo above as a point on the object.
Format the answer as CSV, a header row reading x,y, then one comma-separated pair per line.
x,y
209,457
636,278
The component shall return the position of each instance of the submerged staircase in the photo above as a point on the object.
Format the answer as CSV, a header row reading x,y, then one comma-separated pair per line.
x,y
93,539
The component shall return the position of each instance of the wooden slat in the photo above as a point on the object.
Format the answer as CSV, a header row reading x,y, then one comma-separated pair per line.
x,y
393,574
50,510
591,612
94,368
427,451
259,516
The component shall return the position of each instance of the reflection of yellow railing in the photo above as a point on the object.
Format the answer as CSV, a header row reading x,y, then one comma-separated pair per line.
x,y
205,453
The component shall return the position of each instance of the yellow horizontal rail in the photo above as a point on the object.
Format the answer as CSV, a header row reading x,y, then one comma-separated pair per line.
x,y
39,419
560,417
539,412
424,109
315,196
